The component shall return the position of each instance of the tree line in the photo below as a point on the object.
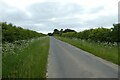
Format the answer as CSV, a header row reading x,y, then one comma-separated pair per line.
x,y
11,33
98,34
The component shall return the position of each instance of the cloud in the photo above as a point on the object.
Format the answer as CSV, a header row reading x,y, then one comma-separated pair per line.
x,y
103,21
46,15
49,10
96,9
12,14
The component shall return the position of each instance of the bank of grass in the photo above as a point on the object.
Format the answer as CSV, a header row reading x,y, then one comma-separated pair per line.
x,y
104,51
31,62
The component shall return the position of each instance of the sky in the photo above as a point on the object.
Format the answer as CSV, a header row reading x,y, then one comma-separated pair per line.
x,y
46,15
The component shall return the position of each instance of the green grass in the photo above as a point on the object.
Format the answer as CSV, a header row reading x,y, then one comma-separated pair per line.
x,y
30,63
106,52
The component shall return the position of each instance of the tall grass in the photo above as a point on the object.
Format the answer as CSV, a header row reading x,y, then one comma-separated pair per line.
x,y
30,62
102,50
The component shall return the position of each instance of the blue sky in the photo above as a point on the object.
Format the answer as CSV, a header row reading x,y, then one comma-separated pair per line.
x,y
46,15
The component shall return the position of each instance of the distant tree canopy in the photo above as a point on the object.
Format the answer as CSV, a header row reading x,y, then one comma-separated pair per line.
x,y
50,34
11,33
59,33
98,34
56,31
68,30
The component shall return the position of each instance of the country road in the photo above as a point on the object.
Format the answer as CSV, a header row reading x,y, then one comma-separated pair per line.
x,y
67,61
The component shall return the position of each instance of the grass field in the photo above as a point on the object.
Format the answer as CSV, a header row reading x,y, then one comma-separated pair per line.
x,y
107,52
31,62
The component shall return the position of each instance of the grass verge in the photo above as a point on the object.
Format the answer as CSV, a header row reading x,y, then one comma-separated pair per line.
x,y
30,63
106,52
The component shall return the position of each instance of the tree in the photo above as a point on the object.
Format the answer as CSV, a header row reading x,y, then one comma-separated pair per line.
x,y
11,33
116,33
68,30
56,32
61,32
50,34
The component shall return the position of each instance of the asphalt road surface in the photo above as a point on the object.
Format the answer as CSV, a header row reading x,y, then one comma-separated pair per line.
x,y
67,61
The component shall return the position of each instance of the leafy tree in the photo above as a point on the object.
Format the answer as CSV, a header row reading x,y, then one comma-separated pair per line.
x,y
68,30
116,33
11,33
50,34
98,34
56,32
61,32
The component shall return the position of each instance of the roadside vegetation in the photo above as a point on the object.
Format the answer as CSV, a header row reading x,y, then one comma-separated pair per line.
x,y
24,55
100,41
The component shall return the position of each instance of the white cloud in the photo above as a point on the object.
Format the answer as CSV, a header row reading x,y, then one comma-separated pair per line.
x,y
45,15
